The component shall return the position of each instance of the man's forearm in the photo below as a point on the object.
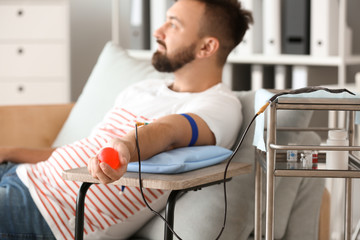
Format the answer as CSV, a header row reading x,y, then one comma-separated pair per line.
x,y
166,133
151,139
24,155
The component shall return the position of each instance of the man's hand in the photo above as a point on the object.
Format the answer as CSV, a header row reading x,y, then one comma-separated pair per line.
x,y
103,172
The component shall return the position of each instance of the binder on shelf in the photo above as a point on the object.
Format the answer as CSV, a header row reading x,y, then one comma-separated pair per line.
x,y
299,77
134,25
272,27
237,76
303,76
227,75
158,10
348,43
262,76
139,25
295,34
256,77
252,41
268,76
241,74
324,27
282,78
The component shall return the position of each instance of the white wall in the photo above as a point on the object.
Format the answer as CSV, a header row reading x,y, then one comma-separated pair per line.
x,y
90,29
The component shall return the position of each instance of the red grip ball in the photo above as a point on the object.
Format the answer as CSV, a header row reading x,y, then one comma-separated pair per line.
x,y
110,156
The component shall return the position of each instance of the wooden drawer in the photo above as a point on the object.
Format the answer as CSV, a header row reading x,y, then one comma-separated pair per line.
x,y
29,60
16,93
26,21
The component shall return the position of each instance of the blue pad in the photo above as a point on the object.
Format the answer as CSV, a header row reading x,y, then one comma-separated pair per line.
x,y
182,160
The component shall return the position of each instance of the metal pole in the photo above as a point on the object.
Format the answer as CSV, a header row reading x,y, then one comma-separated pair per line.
x,y
258,201
270,163
80,204
348,184
169,214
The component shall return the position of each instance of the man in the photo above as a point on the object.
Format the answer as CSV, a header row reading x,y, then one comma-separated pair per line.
x,y
194,108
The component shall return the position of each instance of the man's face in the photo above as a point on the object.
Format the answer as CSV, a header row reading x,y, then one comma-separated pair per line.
x,y
178,36
164,63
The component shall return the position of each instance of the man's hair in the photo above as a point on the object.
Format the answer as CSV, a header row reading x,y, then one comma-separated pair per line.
x,y
227,21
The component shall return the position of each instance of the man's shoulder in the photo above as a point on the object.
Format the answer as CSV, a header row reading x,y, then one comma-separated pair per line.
x,y
221,91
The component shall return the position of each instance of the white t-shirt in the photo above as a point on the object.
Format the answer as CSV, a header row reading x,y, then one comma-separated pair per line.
x,y
108,212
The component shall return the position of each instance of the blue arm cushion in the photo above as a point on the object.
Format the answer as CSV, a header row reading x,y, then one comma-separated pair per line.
x,y
182,160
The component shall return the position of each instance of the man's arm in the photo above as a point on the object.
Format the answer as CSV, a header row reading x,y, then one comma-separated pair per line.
x,y
169,132
24,155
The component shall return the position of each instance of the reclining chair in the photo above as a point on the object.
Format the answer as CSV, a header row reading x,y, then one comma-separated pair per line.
x,y
198,215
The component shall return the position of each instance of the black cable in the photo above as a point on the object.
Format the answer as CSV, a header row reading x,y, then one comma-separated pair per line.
x,y
262,109
141,188
224,180
308,90
226,169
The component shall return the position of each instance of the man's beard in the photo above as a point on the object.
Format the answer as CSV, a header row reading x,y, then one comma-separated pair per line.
x,y
163,63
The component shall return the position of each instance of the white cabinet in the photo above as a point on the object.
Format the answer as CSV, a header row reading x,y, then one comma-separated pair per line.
x,y
34,52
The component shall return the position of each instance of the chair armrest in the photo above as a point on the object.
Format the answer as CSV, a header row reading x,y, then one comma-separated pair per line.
x,y
180,181
31,125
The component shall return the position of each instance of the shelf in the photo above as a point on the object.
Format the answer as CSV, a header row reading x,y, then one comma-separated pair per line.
x,y
295,169
296,103
287,170
277,153
293,60
353,60
286,60
271,59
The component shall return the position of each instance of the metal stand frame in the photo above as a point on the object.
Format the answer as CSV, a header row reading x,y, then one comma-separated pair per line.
x,y
169,211
268,164
80,205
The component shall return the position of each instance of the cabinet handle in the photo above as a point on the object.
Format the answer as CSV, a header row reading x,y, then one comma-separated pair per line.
x,y
21,89
20,12
20,50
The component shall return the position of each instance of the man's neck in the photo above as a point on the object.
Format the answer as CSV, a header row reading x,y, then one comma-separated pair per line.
x,y
196,79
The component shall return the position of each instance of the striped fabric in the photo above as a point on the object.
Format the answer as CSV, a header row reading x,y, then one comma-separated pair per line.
x,y
105,204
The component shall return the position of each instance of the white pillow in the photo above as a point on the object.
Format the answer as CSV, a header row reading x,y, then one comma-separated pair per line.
x,y
114,71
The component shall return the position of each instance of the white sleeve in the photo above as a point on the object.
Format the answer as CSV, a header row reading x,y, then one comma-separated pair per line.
x,y
222,113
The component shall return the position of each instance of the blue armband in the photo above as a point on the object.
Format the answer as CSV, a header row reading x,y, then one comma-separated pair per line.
x,y
194,128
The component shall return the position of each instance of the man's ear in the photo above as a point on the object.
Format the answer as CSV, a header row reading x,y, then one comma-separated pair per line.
x,y
209,47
